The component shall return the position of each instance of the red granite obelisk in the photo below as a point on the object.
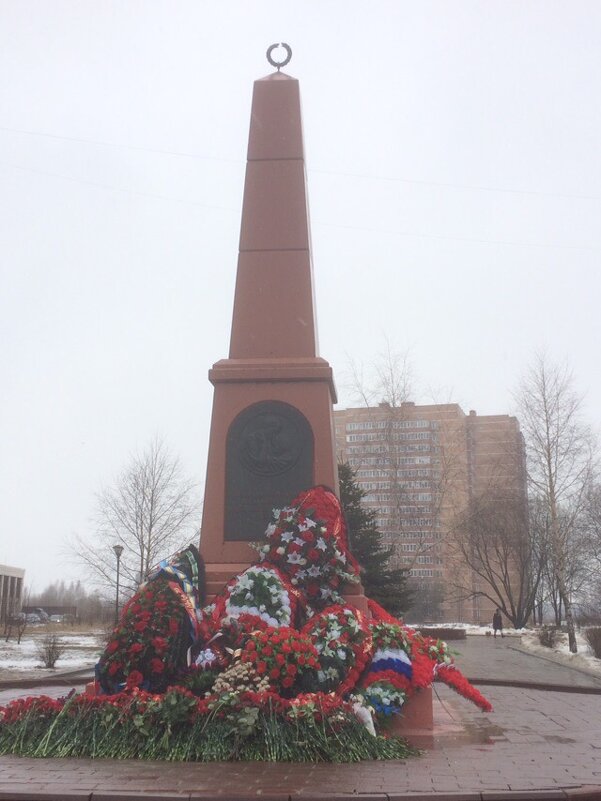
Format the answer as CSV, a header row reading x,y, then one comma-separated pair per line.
x,y
272,431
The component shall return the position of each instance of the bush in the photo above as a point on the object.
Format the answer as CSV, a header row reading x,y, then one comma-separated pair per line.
x,y
547,636
442,633
593,638
50,649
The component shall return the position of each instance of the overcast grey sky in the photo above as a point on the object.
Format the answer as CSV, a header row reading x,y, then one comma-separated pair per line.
x,y
455,191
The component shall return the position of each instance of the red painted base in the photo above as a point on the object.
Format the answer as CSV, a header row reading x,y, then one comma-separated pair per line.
x,y
416,722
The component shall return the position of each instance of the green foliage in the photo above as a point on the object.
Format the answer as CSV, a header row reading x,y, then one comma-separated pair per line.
x,y
386,585
168,729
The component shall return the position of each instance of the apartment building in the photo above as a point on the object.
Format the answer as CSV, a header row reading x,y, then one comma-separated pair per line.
x,y
420,467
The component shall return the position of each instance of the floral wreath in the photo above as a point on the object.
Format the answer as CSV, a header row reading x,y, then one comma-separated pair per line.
x,y
307,540
343,642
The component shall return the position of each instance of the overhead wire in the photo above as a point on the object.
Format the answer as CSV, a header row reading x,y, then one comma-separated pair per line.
x,y
362,176
388,232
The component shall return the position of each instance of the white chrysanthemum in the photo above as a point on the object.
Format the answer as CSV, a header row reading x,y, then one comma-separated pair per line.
x,y
205,657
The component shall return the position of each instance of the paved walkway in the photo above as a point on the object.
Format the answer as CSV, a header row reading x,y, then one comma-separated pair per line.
x,y
536,741
487,658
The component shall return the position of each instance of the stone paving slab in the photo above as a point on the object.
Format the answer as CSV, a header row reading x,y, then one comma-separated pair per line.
x,y
536,744
534,741
481,657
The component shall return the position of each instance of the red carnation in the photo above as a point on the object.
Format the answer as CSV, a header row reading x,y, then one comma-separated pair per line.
x,y
136,648
114,667
308,536
159,643
313,554
261,667
140,626
291,670
287,682
173,626
274,673
267,651
134,679
156,665
112,647
250,646
280,659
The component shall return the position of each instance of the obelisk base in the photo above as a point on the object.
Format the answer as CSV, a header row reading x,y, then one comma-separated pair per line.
x,y
354,595
416,721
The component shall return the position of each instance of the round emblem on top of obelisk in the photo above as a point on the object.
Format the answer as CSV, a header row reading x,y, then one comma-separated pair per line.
x,y
272,61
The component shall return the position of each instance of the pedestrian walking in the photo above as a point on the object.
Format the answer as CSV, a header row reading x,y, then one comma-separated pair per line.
x,y
497,622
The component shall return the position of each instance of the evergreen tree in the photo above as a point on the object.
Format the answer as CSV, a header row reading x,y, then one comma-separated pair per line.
x,y
386,585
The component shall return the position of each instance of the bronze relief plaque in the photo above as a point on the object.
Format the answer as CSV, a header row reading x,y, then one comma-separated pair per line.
x,y
269,460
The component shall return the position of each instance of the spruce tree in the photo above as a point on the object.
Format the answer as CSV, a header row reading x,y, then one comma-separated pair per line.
x,y
386,585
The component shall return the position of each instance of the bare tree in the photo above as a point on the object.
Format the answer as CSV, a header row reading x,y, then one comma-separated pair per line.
x,y
411,470
560,456
592,524
388,380
590,548
149,511
494,540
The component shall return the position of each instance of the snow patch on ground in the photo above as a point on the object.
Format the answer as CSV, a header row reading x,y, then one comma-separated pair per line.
x,y
470,628
81,650
584,659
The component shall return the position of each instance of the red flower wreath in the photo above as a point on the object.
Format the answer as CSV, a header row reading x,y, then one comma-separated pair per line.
x,y
283,655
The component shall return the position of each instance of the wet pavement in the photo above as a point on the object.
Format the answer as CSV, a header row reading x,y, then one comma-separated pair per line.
x,y
536,743
503,659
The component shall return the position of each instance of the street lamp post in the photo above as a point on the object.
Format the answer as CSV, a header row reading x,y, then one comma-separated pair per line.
x,y
118,549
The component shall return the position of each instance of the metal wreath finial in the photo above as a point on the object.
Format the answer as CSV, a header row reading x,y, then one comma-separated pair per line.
x,y
279,64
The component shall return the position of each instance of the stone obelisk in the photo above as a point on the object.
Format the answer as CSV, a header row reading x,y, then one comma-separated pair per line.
x,y
272,431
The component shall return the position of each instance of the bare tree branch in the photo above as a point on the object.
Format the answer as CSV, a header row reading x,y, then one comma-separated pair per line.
x,y
149,510
561,458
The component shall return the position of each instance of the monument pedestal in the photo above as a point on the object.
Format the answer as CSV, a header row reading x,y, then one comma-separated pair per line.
x,y
271,437
416,721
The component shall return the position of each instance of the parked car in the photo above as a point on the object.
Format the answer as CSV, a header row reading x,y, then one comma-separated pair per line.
x,y
56,618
